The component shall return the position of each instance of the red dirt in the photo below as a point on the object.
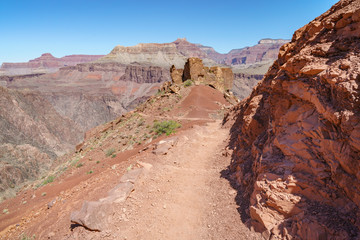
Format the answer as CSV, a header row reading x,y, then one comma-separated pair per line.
x,y
76,185
201,101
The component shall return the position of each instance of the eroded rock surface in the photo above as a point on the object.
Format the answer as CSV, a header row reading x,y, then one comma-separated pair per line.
x,y
219,77
32,135
296,139
97,215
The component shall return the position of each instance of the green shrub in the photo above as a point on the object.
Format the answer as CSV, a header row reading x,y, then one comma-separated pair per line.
x,y
25,237
160,93
167,127
114,155
49,179
79,165
110,152
188,83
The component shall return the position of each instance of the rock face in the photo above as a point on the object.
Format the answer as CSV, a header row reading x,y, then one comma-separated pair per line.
x,y
45,63
244,83
265,50
158,54
194,69
33,133
296,139
93,93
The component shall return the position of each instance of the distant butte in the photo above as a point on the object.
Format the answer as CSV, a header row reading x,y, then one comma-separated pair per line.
x,y
46,63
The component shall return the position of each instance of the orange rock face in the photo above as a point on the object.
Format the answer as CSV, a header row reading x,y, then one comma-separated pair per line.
x,y
296,139
194,69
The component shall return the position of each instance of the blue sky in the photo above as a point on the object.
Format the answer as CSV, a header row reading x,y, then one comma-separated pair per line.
x,y
29,28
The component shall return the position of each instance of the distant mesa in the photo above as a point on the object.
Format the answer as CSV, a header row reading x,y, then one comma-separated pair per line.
x,y
46,63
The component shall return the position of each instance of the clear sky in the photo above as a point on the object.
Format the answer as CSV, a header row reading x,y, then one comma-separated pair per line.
x,y
29,28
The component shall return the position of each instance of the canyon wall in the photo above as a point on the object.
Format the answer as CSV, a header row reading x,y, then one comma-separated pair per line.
x,y
44,64
296,139
244,83
33,134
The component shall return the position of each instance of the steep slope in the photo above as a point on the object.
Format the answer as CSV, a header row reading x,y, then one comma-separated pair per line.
x,y
116,149
295,140
93,93
33,134
244,83
266,50
46,63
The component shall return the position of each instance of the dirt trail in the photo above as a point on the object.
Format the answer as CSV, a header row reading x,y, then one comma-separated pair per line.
x,y
182,196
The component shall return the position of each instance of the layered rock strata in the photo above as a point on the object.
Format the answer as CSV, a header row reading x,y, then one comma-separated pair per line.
x,y
32,135
45,63
296,139
194,69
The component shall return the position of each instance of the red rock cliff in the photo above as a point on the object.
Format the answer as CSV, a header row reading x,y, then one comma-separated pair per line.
x,y
296,139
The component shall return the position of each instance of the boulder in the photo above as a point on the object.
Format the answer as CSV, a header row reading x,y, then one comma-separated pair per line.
x,y
176,74
219,78
97,215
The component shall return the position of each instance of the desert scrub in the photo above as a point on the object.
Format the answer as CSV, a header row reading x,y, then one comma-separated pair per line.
x,y
25,237
167,127
49,179
160,93
79,165
188,83
110,152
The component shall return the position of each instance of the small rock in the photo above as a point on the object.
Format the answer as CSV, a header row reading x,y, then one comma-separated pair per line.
x,y
51,234
232,192
51,204
164,206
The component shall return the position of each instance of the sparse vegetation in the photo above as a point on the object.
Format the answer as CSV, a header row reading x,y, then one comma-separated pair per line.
x,y
160,93
25,237
129,167
188,83
79,165
97,162
43,194
6,211
167,127
73,163
90,172
110,152
114,155
141,122
49,179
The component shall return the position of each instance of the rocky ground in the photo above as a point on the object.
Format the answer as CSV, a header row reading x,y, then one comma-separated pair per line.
x,y
181,192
